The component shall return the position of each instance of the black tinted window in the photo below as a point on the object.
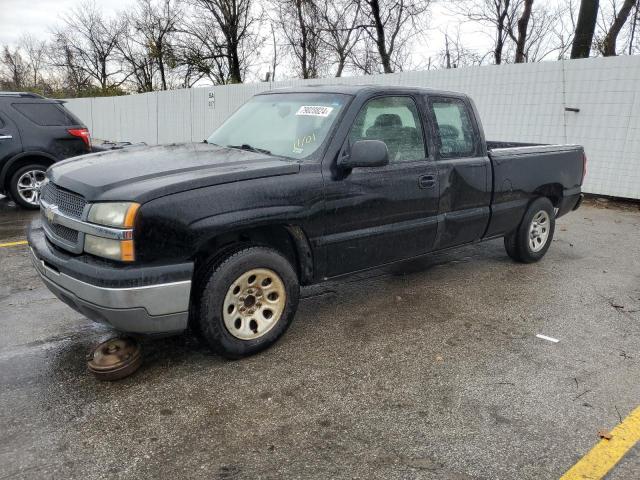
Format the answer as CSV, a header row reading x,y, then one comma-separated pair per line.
x,y
47,114
455,128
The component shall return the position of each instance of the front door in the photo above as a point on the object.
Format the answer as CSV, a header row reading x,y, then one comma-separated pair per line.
x,y
378,215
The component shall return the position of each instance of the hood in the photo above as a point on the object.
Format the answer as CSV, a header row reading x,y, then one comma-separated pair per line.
x,y
144,173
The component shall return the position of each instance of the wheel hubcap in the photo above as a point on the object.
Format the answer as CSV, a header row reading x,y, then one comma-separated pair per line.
x,y
29,186
539,231
254,303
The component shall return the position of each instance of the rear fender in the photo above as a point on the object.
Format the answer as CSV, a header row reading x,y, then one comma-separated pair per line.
x,y
23,158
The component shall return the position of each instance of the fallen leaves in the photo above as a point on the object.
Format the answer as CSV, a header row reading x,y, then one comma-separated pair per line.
x,y
602,433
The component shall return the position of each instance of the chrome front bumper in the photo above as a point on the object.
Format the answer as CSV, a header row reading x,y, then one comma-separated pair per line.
x,y
158,308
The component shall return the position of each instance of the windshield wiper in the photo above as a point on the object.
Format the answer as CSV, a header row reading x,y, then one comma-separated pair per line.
x,y
246,146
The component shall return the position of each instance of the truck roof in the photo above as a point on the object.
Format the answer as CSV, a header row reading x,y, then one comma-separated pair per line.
x,y
359,89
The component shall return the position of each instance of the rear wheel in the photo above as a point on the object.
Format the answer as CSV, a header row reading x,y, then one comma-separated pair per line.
x,y
24,185
531,240
247,302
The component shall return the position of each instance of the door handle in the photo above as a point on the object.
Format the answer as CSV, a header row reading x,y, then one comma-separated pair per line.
x,y
427,181
6,137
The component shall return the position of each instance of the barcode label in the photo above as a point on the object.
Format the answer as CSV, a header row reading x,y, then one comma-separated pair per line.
x,y
314,110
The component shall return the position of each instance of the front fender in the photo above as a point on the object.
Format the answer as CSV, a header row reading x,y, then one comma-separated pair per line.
x,y
226,223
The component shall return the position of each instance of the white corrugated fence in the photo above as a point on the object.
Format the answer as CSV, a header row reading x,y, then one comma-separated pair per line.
x,y
524,102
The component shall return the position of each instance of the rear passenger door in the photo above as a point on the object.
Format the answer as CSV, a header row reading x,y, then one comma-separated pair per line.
x,y
10,143
377,215
463,171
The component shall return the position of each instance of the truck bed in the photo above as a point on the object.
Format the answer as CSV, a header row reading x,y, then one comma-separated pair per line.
x,y
501,148
557,174
496,144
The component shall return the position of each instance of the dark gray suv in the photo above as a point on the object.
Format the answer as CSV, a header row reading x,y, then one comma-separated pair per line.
x,y
35,132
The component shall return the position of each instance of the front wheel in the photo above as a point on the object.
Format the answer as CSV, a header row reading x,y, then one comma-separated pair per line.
x,y
531,240
247,302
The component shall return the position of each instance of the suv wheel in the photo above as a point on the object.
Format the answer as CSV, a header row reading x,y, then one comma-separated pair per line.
x,y
247,302
531,240
24,185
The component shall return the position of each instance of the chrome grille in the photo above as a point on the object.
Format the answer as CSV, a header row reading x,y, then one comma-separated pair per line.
x,y
63,232
67,202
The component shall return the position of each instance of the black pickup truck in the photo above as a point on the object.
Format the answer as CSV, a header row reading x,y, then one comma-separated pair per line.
x,y
296,187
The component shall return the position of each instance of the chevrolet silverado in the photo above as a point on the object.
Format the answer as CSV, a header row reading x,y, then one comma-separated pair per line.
x,y
298,186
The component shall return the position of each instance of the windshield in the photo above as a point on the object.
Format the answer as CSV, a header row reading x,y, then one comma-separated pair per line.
x,y
290,125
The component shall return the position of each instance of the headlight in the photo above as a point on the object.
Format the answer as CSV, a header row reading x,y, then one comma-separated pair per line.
x,y
114,214
121,250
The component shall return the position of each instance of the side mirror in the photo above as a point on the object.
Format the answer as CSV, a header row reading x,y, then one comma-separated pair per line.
x,y
366,153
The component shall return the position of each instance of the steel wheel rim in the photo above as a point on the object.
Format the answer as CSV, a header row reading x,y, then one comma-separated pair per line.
x,y
29,186
254,304
539,231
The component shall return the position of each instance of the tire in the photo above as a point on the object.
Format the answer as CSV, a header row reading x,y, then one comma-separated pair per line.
x,y
531,240
24,185
247,301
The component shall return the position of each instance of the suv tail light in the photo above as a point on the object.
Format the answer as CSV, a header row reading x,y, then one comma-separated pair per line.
x,y
83,134
584,167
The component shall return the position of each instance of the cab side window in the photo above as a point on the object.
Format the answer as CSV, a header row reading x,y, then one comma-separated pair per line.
x,y
454,128
396,122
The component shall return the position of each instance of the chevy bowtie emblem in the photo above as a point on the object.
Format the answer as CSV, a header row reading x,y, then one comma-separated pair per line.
x,y
50,213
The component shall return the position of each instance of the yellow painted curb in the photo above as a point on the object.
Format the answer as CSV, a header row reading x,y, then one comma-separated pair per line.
x,y
607,453
13,244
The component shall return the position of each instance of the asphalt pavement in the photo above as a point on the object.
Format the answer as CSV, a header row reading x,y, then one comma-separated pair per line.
x,y
430,369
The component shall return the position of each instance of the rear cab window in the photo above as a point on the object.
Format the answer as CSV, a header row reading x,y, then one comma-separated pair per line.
x,y
46,114
456,135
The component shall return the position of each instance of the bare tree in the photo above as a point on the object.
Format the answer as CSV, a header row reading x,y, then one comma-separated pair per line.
x,y
364,56
634,24
498,15
455,54
447,53
523,30
15,69
340,19
138,59
202,49
62,57
391,24
90,40
35,54
23,67
532,34
585,28
299,22
155,21
607,45
271,74
563,29
235,20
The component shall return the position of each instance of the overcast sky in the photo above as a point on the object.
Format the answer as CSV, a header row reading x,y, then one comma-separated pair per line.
x,y
38,16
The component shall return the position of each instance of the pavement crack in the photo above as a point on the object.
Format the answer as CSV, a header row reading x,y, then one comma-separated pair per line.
x,y
583,393
618,412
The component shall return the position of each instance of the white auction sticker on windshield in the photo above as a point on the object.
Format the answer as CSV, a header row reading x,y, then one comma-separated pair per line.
x,y
314,110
